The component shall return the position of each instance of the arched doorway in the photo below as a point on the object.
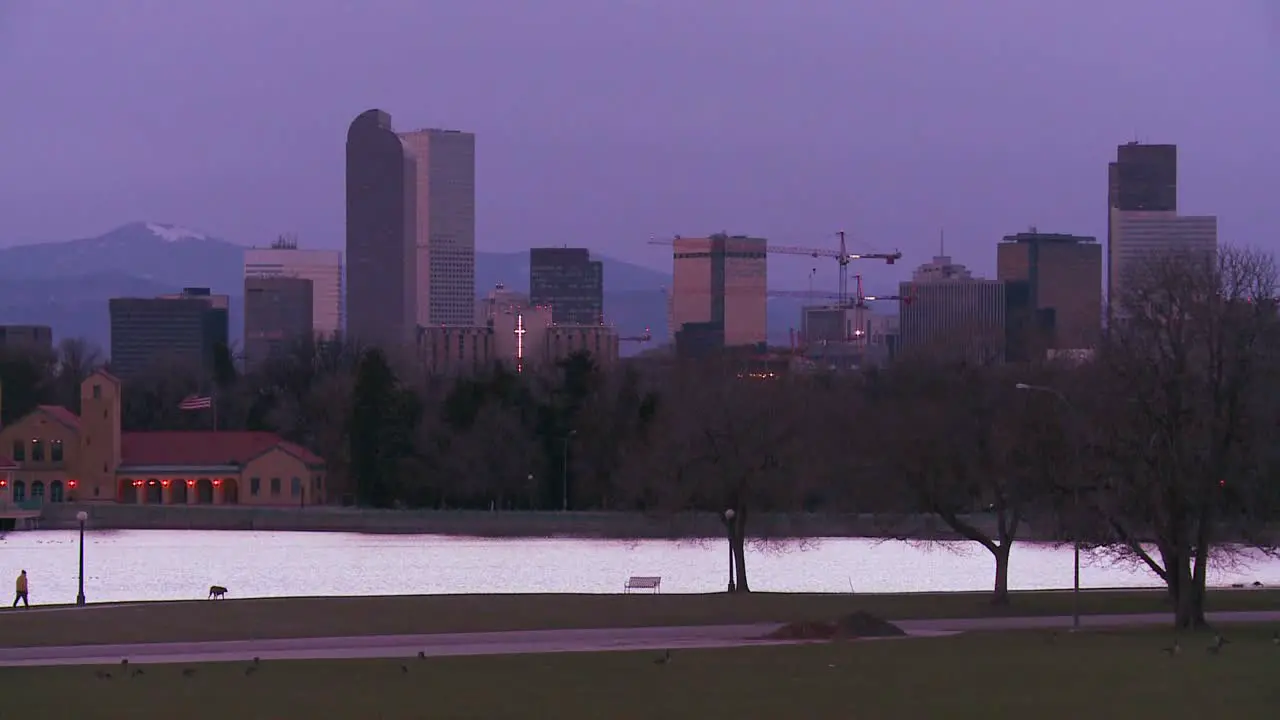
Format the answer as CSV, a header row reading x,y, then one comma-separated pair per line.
x,y
37,491
19,491
55,491
126,492
155,492
178,492
230,491
204,491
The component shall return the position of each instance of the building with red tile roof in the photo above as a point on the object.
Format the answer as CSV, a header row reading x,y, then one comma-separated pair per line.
x,y
59,456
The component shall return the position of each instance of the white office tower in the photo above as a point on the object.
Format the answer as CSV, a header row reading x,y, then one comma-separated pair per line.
x,y
322,267
444,229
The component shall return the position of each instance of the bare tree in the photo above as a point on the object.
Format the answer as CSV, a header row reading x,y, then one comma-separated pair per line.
x,y
727,443
960,443
1184,417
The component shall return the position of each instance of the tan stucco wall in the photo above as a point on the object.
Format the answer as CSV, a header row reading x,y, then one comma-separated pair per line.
x,y
280,465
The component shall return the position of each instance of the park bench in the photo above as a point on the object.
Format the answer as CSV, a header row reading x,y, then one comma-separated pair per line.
x,y
643,583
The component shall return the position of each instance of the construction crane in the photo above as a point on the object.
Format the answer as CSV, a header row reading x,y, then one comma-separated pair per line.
x,y
842,256
646,337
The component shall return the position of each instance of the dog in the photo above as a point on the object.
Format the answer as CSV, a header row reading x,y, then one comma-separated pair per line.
x,y
217,592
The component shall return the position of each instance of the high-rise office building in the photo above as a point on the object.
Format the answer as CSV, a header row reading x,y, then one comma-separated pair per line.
x,y
278,311
183,329
444,228
1063,274
381,234
1143,220
322,267
1144,177
952,312
1139,236
570,282
26,337
720,285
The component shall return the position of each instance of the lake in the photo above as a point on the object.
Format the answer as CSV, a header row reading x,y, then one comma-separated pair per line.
x,y
124,565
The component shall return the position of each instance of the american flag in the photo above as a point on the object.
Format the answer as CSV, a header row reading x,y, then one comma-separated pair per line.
x,y
196,402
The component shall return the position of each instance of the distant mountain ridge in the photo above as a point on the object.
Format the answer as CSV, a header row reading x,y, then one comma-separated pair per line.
x,y
67,284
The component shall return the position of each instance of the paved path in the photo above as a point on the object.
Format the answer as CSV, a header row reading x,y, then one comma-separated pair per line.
x,y
533,641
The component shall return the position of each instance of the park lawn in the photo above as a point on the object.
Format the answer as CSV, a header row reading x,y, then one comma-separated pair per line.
x,y
275,618
980,675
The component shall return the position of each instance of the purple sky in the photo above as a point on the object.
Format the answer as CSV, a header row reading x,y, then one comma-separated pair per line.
x,y
603,122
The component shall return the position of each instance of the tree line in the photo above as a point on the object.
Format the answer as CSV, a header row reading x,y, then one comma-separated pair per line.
x,y
1161,448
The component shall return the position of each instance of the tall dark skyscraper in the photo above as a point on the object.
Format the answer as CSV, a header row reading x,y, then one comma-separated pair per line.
x,y
381,247
184,330
1144,177
570,282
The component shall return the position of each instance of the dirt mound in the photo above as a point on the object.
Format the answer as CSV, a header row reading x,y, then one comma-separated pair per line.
x,y
855,625
804,631
863,624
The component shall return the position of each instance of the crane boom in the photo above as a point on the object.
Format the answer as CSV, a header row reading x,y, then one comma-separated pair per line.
x,y
841,255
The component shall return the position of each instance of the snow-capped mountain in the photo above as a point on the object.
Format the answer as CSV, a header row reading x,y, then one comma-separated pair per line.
x,y
66,285
162,253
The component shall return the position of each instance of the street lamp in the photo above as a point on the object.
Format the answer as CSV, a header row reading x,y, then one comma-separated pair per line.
x,y
82,516
1075,490
728,526
564,478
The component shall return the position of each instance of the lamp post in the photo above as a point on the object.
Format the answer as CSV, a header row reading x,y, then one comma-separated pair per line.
x,y
564,477
1075,491
82,516
728,526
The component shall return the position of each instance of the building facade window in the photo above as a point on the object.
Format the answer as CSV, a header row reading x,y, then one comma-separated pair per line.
x,y
37,450
255,485
19,450
275,487
295,487
55,451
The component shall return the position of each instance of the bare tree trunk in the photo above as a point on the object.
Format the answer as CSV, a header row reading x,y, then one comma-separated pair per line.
x,y
1000,594
740,563
739,545
1189,612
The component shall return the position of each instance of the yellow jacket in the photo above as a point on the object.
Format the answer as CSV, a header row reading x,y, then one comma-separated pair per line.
x,y
22,583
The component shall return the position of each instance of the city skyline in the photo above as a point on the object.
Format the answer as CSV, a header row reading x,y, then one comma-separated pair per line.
x,y
608,169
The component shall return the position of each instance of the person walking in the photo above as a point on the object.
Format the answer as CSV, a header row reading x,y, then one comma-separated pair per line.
x,y
22,591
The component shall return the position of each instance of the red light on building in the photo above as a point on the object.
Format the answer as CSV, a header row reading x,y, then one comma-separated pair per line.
x,y
165,483
137,483
72,484
217,483
4,483
191,483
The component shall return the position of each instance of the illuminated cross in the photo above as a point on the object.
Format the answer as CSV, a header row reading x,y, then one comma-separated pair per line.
x,y
520,331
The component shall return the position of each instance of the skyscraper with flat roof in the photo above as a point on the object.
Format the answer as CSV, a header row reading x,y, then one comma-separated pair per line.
x,y
569,282
1142,178
1064,281
322,267
444,227
720,283
951,312
183,330
381,234
278,312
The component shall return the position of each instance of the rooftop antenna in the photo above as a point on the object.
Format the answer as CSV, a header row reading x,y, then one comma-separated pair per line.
x,y
942,242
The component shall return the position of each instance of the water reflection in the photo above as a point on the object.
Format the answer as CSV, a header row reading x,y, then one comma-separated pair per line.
x,y
127,565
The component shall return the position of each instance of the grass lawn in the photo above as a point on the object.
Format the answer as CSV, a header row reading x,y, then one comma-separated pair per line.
x,y
981,675
394,615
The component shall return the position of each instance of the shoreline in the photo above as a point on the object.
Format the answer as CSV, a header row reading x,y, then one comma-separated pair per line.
x,y
595,525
